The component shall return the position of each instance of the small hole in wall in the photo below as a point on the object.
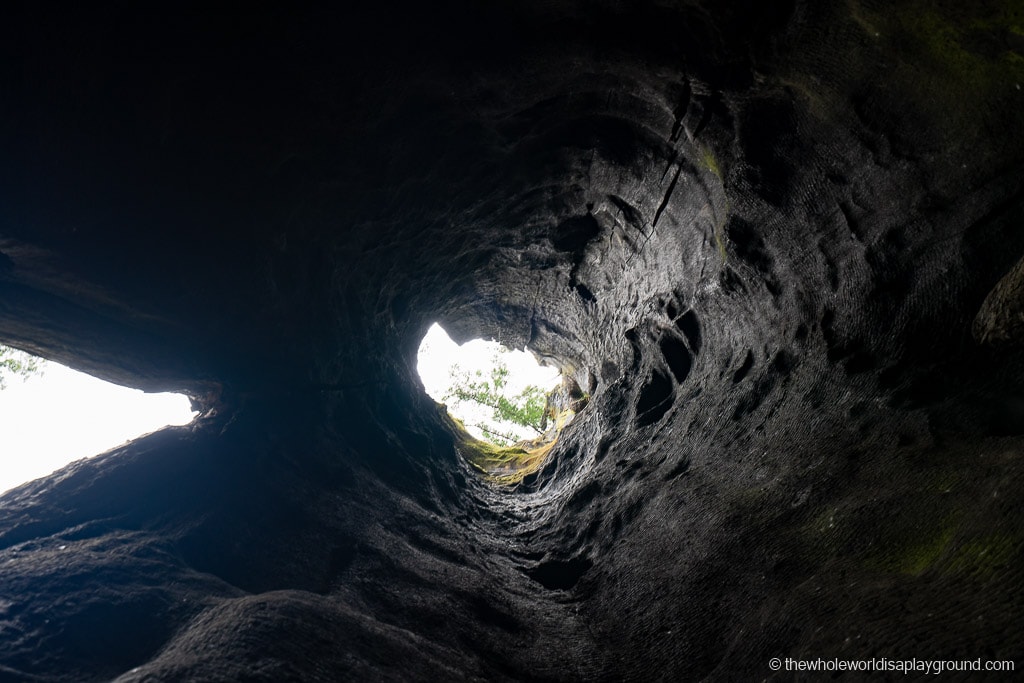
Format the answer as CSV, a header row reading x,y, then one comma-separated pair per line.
x,y
51,415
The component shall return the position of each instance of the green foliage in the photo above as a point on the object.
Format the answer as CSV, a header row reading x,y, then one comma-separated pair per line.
x,y
525,409
17,364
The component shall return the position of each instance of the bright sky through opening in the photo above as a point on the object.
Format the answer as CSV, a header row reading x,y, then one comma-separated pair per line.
x,y
51,420
438,353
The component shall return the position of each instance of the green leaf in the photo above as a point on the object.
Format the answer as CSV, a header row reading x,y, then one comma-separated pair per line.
x,y
525,409
15,363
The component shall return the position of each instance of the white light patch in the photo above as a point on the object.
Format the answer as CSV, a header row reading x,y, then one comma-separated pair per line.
x,y
61,416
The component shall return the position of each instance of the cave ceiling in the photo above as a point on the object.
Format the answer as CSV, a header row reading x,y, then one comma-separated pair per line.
x,y
779,245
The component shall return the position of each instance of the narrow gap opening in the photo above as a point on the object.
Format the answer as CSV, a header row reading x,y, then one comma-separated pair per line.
x,y
51,415
507,408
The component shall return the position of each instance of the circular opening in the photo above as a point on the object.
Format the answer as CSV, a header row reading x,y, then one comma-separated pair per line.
x,y
508,407
498,394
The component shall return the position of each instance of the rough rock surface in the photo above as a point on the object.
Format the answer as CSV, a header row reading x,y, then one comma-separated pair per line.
x,y
1001,318
758,233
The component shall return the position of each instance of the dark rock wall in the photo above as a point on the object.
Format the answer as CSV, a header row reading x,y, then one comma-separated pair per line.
x,y
776,242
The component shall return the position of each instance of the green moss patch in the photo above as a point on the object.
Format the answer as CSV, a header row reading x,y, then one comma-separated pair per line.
x,y
506,465
917,554
976,44
981,558
503,464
